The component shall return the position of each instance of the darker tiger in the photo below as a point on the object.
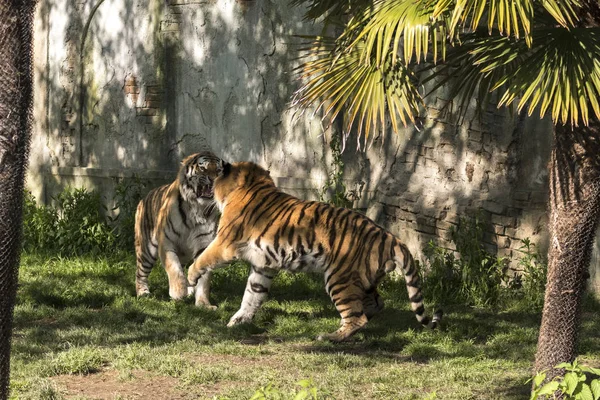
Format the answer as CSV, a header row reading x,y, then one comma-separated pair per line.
x,y
176,222
274,230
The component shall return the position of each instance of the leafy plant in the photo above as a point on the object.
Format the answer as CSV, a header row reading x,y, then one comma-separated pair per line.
x,y
82,226
76,224
39,224
307,391
473,277
128,193
576,384
334,186
532,274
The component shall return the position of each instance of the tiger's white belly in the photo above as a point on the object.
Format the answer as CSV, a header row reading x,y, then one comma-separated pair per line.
x,y
288,259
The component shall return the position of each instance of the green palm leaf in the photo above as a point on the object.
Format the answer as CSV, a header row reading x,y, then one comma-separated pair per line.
x,y
365,93
390,25
561,74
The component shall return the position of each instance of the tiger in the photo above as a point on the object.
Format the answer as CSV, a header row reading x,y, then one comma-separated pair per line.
x,y
175,222
273,230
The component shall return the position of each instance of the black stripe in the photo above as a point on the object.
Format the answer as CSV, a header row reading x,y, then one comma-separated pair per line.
x,y
258,288
354,314
198,252
273,255
420,310
346,300
417,298
181,211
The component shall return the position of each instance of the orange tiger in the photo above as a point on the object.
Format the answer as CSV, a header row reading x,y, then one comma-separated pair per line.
x,y
175,223
273,230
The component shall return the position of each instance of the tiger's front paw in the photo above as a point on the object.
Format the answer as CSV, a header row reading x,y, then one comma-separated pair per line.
x,y
203,302
335,337
240,318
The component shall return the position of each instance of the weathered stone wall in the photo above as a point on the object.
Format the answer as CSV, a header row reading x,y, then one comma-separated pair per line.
x,y
128,87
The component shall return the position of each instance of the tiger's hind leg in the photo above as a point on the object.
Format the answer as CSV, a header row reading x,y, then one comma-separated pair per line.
x,y
349,303
372,303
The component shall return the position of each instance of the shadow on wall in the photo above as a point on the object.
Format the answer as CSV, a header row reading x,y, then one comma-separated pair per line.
x,y
129,87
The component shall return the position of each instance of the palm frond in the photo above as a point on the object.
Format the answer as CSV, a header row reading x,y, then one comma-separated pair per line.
x,y
338,81
390,25
317,9
563,11
560,74
509,17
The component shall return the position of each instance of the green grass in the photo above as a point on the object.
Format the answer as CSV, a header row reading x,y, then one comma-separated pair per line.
x,y
81,333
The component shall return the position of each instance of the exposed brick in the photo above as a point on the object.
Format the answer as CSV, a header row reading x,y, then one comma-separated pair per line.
x,y
508,253
406,216
408,196
513,212
422,220
132,89
425,229
499,229
511,232
502,220
445,225
152,104
131,81
147,111
504,242
154,89
153,97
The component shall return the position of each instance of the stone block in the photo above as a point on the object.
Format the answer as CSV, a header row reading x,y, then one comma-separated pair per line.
x,y
499,229
146,111
505,221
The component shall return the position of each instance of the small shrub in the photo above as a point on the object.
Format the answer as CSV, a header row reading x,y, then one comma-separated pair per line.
x,y
577,384
39,224
334,190
82,225
531,277
76,225
474,277
128,194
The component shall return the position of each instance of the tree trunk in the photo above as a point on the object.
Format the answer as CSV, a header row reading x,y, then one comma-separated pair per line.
x,y
16,22
574,208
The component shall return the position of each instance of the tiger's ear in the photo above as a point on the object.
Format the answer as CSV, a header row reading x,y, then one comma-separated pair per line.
x,y
226,168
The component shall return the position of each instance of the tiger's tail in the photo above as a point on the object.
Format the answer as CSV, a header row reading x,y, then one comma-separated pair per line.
x,y
405,261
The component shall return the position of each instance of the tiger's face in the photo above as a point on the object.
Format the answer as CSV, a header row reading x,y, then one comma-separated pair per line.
x,y
197,176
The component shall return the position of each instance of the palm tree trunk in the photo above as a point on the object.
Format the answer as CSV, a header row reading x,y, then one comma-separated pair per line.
x,y
16,22
574,213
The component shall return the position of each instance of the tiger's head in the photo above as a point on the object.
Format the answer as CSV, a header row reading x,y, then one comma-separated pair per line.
x,y
239,175
197,175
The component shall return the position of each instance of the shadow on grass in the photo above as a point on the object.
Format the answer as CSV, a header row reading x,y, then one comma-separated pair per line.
x,y
92,302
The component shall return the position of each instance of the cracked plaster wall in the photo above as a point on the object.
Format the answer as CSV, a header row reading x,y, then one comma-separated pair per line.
x,y
129,87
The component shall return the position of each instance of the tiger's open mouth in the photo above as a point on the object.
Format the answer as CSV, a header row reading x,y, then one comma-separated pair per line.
x,y
205,191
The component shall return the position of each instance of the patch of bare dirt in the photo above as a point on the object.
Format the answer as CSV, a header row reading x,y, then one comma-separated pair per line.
x,y
140,385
